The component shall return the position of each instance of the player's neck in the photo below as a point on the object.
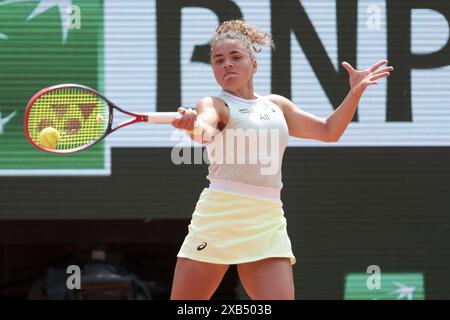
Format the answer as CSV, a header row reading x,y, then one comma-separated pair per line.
x,y
243,92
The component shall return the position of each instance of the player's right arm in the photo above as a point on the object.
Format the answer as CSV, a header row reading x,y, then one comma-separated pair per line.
x,y
200,124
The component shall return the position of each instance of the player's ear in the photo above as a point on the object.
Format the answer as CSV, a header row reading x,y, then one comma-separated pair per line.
x,y
254,65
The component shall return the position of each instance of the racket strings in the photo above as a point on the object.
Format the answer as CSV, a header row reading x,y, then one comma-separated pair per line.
x,y
80,117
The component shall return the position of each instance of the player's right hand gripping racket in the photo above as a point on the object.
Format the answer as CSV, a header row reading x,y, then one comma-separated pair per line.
x,y
78,117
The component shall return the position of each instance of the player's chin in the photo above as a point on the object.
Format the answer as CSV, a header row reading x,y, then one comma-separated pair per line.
x,y
231,84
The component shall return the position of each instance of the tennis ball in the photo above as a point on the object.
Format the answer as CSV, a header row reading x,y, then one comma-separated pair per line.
x,y
49,137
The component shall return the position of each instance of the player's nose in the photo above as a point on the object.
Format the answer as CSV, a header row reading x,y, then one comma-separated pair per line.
x,y
227,66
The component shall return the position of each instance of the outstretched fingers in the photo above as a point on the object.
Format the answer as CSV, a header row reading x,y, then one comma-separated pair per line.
x,y
377,65
379,75
387,69
348,67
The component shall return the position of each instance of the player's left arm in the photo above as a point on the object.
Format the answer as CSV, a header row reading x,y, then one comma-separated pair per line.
x,y
302,124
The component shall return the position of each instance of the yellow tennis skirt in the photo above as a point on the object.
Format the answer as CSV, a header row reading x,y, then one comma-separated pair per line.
x,y
230,228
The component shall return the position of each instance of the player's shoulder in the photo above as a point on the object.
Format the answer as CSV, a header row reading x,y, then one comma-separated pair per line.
x,y
211,102
276,99
214,104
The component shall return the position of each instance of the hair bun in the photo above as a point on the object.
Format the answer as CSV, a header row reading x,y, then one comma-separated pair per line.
x,y
239,30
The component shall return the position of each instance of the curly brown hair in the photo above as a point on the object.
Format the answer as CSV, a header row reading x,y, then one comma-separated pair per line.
x,y
239,30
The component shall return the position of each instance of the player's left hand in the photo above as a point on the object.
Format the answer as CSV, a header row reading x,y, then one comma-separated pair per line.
x,y
360,79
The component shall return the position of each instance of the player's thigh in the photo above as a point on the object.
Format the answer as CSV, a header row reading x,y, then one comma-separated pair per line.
x,y
268,279
196,280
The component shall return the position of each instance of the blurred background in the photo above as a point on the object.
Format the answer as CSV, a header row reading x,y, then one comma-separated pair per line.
x,y
374,203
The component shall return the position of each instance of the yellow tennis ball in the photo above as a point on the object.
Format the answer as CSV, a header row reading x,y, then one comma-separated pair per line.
x,y
49,137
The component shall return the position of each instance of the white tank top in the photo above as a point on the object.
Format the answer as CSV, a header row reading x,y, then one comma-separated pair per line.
x,y
248,152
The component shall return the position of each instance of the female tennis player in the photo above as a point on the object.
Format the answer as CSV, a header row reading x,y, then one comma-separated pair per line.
x,y
239,218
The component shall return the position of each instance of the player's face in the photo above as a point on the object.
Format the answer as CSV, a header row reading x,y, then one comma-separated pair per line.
x,y
232,64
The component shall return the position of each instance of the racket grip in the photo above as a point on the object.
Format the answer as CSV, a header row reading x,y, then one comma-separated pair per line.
x,y
162,117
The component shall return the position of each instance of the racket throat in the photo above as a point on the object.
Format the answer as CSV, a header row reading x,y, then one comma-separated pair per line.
x,y
138,118
142,118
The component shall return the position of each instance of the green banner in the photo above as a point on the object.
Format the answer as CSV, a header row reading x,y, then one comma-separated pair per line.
x,y
389,286
43,43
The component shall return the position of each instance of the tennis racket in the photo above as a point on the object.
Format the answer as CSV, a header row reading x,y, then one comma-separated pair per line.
x,y
75,117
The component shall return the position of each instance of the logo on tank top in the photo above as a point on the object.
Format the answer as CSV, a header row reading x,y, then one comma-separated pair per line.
x,y
264,116
244,110
202,246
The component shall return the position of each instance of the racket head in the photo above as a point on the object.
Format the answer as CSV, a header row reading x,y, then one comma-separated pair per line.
x,y
81,116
